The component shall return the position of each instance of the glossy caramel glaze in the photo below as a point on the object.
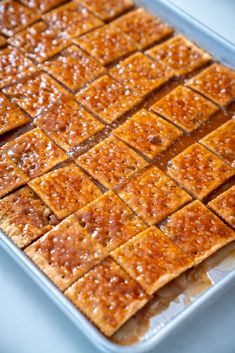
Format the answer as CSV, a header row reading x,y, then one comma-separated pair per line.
x,y
185,108
67,123
36,94
106,44
24,217
14,66
39,42
34,153
74,68
217,83
107,295
147,133
153,195
224,206
141,74
72,20
66,252
109,221
14,17
108,98
199,171
3,41
65,190
152,259
142,27
11,116
107,9
42,5
111,162
197,231
181,55
222,142
11,177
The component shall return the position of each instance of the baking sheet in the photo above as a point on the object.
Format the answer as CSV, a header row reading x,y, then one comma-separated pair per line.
x,y
220,272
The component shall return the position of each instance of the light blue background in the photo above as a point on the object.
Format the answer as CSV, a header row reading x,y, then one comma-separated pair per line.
x,y
31,323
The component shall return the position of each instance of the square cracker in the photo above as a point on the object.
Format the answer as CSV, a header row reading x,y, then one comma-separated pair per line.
x,y
111,162
107,296
68,123
65,190
41,6
141,74
152,259
14,66
39,42
148,133
71,20
34,153
107,9
142,27
197,231
222,142
66,252
152,195
109,221
36,94
199,171
217,83
24,217
224,206
181,55
11,116
185,108
108,98
14,17
11,177
74,68
106,44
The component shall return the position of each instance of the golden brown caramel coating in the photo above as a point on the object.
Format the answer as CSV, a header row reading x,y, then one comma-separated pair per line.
x,y
199,171
106,44
14,66
147,133
111,162
39,42
11,116
142,27
141,74
35,95
65,190
181,55
72,20
65,253
74,68
185,108
108,98
152,195
224,206
109,221
3,41
11,177
68,124
217,83
34,153
42,5
107,9
107,296
222,142
24,217
197,231
152,259
14,17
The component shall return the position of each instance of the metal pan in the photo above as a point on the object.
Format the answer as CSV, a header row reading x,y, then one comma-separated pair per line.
x,y
224,51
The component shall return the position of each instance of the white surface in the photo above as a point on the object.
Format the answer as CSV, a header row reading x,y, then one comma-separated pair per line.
x,y
31,323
